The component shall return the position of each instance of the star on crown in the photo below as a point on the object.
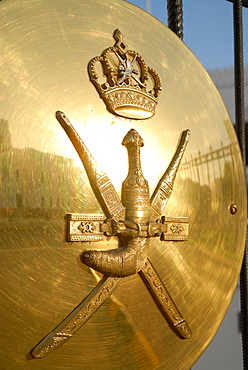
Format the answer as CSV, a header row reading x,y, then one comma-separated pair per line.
x,y
130,88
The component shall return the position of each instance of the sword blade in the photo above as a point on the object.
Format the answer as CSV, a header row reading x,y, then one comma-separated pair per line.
x,y
164,188
101,185
77,318
164,301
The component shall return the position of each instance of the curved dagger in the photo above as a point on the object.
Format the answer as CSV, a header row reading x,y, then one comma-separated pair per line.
x,y
135,212
105,193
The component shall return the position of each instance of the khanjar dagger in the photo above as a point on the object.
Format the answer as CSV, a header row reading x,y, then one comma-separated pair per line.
x,y
134,219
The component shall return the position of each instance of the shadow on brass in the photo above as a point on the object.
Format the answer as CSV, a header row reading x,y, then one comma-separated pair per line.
x,y
134,219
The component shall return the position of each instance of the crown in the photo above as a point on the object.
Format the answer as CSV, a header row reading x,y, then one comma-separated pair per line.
x,y
126,84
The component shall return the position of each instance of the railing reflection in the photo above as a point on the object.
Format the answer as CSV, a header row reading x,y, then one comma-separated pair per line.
x,y
204,168
40,185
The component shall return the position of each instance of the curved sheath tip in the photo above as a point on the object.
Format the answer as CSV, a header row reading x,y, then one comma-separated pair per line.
x,y
183,330
63,120
186,134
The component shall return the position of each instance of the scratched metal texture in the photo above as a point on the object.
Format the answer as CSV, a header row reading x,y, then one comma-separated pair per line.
x,y
45,49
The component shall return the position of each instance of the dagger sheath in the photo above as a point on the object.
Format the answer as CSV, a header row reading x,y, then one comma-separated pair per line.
x,y
131,255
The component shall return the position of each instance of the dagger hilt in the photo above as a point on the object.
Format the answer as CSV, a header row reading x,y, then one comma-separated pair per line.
x,y
135,188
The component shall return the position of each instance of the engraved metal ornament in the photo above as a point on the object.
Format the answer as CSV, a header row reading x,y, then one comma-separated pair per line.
x,y
126,91
46,49
134,229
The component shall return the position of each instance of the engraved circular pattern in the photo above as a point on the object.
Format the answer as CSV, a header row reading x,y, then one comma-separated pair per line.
x,y
46,47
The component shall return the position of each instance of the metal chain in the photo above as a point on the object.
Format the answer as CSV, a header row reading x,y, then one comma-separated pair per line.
x,y
240,129
239,77
175,16
175,23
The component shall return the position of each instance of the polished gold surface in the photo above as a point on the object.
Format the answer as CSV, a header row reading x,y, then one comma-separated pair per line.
x,y
77,318
140,221
46,47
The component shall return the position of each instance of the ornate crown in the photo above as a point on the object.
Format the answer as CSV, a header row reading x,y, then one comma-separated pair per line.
x,y
130,88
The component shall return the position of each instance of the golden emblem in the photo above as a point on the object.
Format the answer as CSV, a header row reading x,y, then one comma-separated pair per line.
x,y
42,180
134,219
125,91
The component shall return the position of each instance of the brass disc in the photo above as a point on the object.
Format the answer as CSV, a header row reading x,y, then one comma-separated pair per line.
x,y
46,47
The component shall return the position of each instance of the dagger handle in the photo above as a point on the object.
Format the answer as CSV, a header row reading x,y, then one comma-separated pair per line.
x,y
135,188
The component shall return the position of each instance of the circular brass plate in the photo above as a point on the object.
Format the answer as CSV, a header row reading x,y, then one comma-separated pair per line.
x,y
46,46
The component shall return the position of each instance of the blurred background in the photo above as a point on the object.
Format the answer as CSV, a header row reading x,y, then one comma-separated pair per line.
x,y
208,32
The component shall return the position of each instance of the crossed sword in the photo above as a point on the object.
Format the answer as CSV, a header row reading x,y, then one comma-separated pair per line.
x,y
127,229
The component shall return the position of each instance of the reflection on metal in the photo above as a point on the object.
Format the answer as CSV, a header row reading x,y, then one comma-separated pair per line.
x,y
126,90
222,155
41,180
77,317
101,185
211,156
142,221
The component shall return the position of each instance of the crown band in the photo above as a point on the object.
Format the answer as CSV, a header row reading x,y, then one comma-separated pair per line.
x,y
125,88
